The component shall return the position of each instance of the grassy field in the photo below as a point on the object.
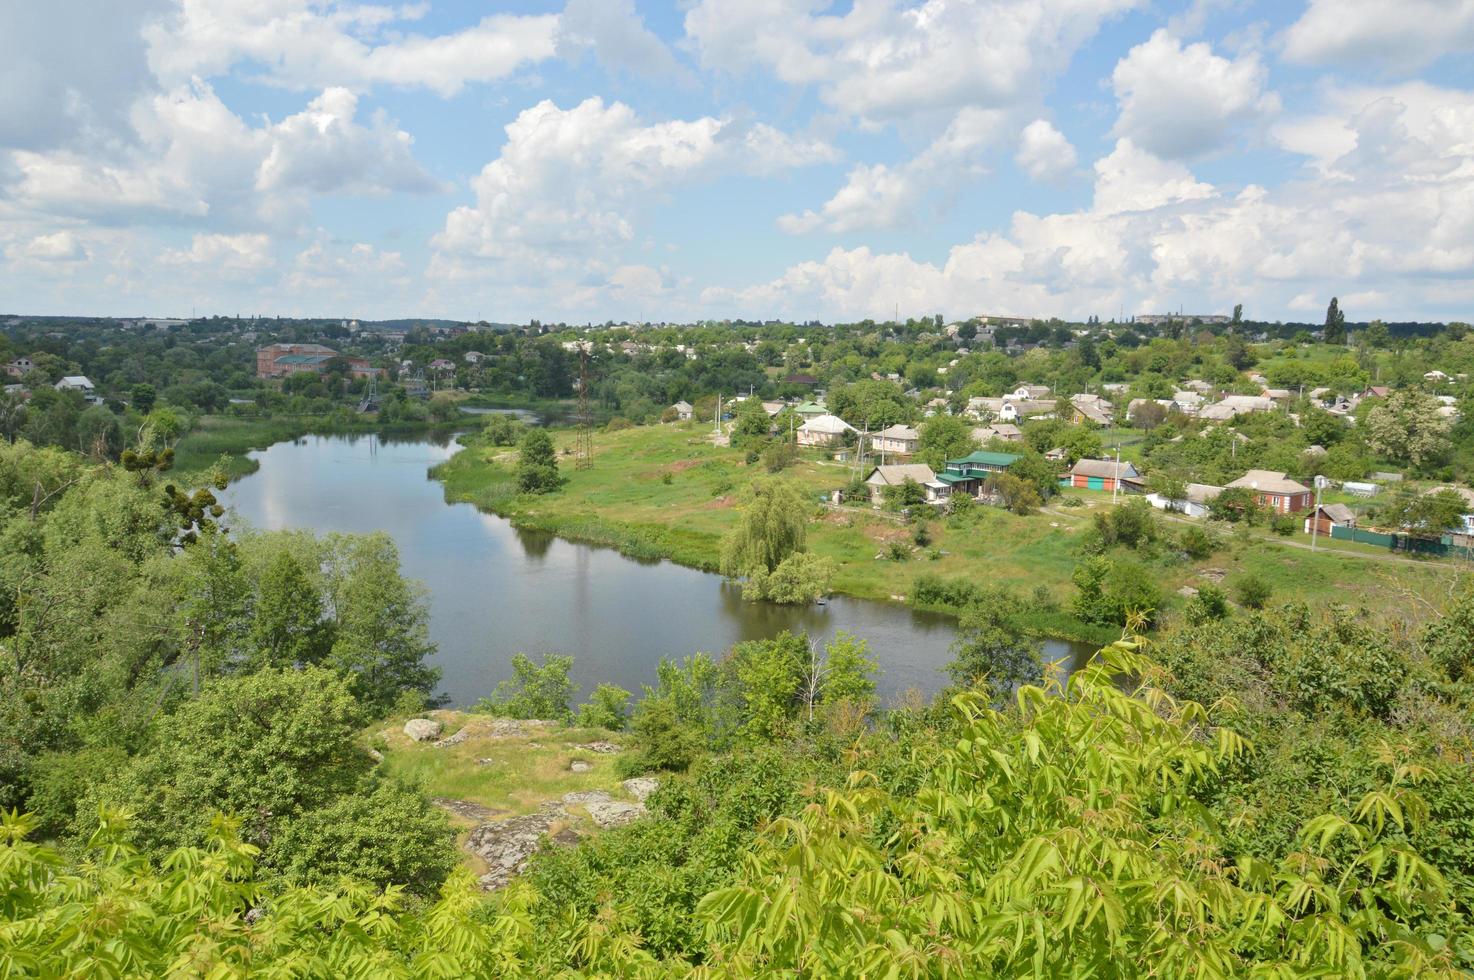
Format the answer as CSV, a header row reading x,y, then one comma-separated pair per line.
x,y
667,492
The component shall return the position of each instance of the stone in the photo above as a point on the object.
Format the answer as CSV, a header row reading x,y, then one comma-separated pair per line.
x,y
641,787
614,813
580,765
515,727
1187,591
460,736
567,837
423,729
376,755
507,845
467,809
601,748
582,797
486,762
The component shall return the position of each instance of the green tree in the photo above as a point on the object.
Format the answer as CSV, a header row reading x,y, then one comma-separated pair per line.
x,y
1406,427
537,464
943,437
289,628
772,527
534,690
142,396
381,632
1334,332
799,579
1428,514
990,650
607,707
1252,591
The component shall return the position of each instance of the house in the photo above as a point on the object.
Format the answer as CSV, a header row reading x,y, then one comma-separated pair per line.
x,y
1198,385
1435,376
1232,406
1187,402
824,431
1102,474
19,367
683,410
893,476
1467,528
968,474
1002,431
810,410
1275,490
1091,408
1327,516
474,357
1376,391
1279,394
441,364
896,440
772,408
76,382
807,380
1025,393
1194,501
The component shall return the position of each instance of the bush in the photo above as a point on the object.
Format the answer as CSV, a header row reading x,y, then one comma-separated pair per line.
x,y
1284,524
1252,591
607,708
800,578
898,551
667,478
921,537
534,690
618,424
933,590
1209,605
1197,543
779,456
857,491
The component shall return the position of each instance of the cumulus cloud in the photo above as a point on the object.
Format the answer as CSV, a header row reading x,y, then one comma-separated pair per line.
x,y
886,59
1044,153
192,159
339,270
568,182
881,196
58,246
224,253
1405,35
1185,101
616,35
313,44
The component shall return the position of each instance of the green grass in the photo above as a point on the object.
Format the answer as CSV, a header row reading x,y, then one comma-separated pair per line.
x,y
624,502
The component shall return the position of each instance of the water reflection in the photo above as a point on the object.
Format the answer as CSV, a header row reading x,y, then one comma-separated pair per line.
x,y
495,590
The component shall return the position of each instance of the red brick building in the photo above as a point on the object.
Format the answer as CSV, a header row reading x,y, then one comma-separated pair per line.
x,y
280,360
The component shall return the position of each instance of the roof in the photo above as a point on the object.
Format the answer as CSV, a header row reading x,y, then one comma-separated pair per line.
x,y
1464,492
827,424
682,406
809,408
1201,493
74,381
1105,468
896,475
800,379
985,458
1338,513
304,358
897,431
1268,481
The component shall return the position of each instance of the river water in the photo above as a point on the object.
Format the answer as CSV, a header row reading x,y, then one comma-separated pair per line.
x,y
495,590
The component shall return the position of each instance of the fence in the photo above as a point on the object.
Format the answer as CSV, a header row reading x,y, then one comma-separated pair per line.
x,y
1442,548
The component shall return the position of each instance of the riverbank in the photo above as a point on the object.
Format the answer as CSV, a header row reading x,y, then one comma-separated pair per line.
x,y
234,436
665,492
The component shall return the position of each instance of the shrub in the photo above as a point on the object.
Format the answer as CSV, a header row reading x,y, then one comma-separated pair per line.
x,y
534,690
1252,591
1209,605
618,423
898,551
1197,543
667,478
607,708
921,536
779,456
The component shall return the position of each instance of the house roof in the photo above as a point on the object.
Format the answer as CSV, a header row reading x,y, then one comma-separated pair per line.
x,y
682,406
74,381
800,379
892,476
827,425
1000,429
897,431
1268,481
809,408
1339,513
1105,468
985,458
1201,493
1464,492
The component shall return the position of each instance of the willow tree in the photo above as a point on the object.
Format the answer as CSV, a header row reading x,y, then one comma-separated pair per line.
x,y
772,528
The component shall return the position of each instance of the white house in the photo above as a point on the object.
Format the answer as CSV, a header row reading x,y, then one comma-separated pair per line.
x,y
79,382
1193,503
896,440
893,476
824,431
683,410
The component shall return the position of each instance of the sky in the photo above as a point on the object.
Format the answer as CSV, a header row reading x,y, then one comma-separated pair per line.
x,y
594,160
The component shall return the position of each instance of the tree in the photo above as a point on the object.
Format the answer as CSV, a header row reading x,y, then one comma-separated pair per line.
x,y
943,437
1334,331
906,494
1017,495
537,464
1426,515
1148,415
1238,313
607,708
751,424
143,397
799,579
381,621
772,528
990,650
1252,591
289,628
534,690
1406,427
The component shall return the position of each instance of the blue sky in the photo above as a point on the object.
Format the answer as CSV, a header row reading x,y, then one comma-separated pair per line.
x,y
589,160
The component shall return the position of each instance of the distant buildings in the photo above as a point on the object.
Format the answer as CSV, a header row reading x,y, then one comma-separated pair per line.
x,y
1162,319
280,360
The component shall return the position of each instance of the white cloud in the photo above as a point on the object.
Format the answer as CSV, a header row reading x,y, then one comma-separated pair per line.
x,y
880,196
1180,102
568,182
1404,35
335,270
58,246
224,253
614,31
191,159
1044,153
313,44
1131,179
887,59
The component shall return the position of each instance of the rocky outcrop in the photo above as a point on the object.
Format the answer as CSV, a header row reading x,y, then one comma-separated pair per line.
x,y
601,748
466,809
641,787
580,765
460,736
508,845
612,813
423,729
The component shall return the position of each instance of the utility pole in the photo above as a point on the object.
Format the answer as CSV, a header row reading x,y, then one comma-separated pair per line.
x,y
1116,483
1315,515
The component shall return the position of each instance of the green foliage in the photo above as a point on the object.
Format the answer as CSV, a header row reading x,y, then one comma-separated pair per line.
x,y
289,628
607,708
537,464
990,651
799,579
1252,591
1018,495
1131,524
499,429
906,494
534,690
1209,605
1425,514
1117,593
1406,427
1197,543
943,437
778,456
771,529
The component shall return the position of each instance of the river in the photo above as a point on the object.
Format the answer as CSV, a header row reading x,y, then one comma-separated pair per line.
x,y
495,590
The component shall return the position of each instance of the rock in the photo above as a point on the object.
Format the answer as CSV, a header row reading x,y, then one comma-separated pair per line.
x,y
376,755
516,727
486,762
641,787
567,837
602,748
614,813
583,797
1214,575
507,845
460,736
1187,591
580,765
423,729
467,809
